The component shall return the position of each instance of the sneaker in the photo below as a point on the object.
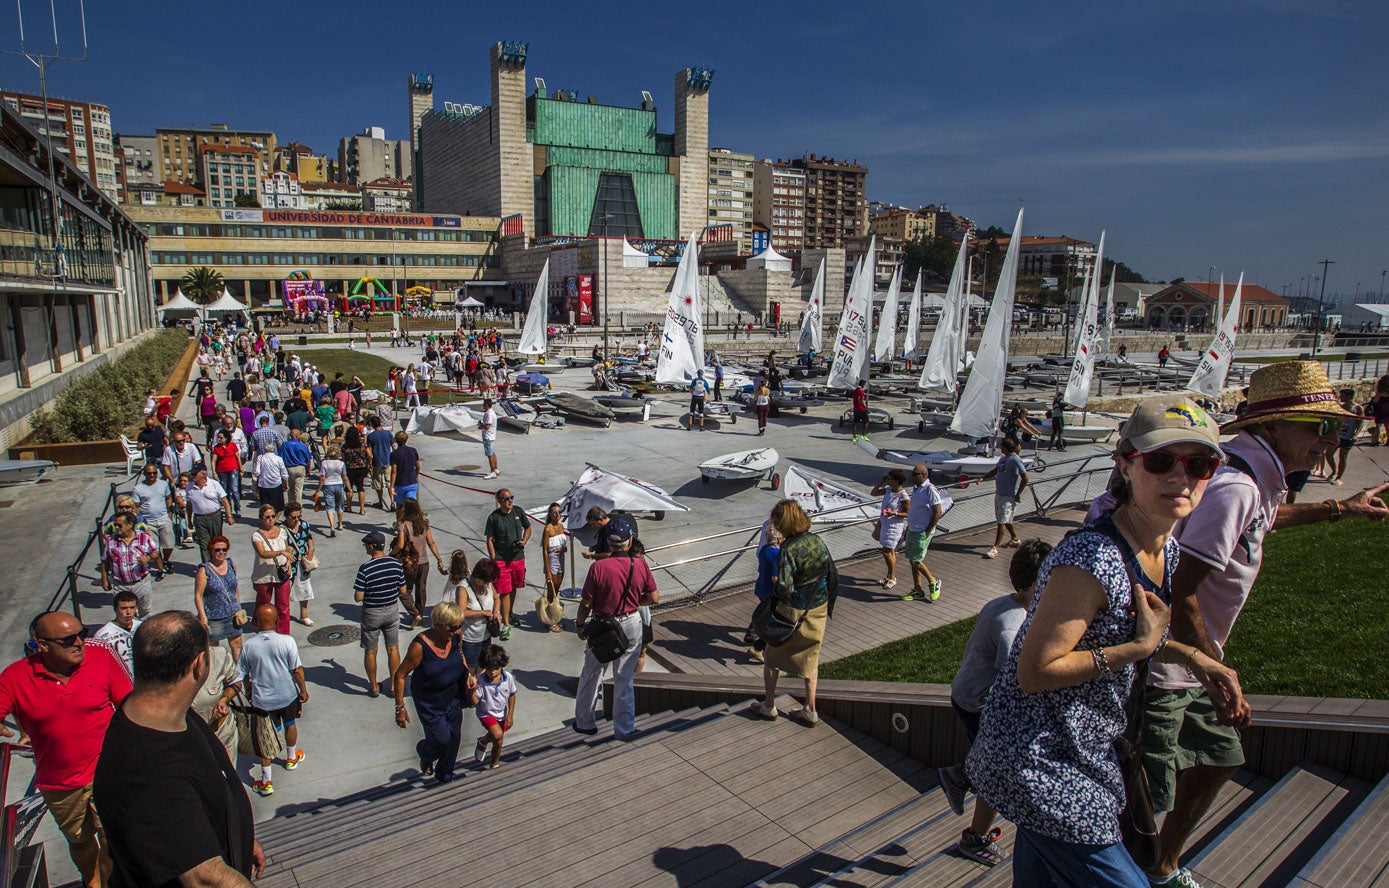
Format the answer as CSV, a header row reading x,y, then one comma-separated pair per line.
x,y
914,594
506,633
763,709
263,787
292,763
953,783
587,732
1013,543
992,553
1337,481
935,591
490,475
480,751
808,717
984,849
1180,877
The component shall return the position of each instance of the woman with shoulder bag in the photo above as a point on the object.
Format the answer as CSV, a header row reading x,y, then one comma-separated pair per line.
x,y
213,702
215,596
273,567
305,562
413,536
803,594
1046,755
475,593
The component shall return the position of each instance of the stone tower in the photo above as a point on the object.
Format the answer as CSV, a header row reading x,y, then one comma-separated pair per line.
x,y
692,148
421,103
515,157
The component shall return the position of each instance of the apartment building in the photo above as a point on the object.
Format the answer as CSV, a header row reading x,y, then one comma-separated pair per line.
x,y
731,196
181,157
779,204
836,202
387,195
904,225
369,155
81,132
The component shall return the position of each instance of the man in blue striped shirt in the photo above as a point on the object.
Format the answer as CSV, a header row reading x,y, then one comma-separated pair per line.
x,y
380,585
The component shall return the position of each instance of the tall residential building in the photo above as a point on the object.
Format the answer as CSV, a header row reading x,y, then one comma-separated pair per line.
x,y
228,172
137,163
180,157
421,87
370,155
952,225
779,204
904,225
731,195
81,131
836,201
564,166
304,163
1064,258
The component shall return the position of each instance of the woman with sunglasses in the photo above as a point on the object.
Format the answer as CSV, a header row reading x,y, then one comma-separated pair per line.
x,y
443,680
215,595
554,542
1045,756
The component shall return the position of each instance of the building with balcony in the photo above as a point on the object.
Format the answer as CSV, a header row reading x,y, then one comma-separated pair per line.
x,y
136,163
369,156
256,249
181,157
81,132
386,195
836,201
68,303
904,225
779,204
280,191
330,196
304,163
1063,258
228,172
731,196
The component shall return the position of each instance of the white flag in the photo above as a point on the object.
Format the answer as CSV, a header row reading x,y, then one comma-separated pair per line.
x,y
1209,378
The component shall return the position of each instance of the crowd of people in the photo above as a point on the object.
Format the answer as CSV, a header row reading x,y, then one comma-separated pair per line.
x,y
1153,584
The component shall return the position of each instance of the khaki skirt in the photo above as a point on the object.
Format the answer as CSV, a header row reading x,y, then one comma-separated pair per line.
x,y
800,657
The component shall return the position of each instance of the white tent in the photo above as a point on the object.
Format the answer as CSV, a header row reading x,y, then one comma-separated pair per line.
x,y
227,303
937,301
179,302
632,257
470,302
771,260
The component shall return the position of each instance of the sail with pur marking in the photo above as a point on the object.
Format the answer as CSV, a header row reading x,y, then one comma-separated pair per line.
x,y
855,322
887,321
682,340
1209,376
942,358
812,324
538,318
911,348
982,399
1087,334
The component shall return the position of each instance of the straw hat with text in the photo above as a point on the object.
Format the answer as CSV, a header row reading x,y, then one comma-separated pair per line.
x,y
1286,390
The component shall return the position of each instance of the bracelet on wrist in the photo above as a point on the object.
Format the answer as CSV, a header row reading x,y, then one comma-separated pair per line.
x,y
1101,661
1335,510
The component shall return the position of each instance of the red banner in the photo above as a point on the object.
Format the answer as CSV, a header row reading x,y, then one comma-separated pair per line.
x,y
585,299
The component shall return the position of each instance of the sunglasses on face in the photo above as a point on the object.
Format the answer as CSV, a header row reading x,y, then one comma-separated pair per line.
x,y
67,641
1160,462
1324,426
218,549
506,499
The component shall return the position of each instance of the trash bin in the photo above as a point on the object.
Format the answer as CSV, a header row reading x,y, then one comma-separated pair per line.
x,y
303,340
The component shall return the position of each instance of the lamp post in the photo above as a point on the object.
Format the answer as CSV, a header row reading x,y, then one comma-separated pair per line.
x,y
1380,298
1316,328
605,217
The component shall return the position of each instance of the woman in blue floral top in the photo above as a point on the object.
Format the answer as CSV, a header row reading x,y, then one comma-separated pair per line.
x,y
1045,755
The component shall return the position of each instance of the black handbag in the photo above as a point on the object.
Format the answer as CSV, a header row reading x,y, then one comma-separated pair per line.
x,y
770,626
1138,820
494,627
606,638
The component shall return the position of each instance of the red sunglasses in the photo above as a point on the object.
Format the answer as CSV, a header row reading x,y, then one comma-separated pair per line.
x,y
1160,462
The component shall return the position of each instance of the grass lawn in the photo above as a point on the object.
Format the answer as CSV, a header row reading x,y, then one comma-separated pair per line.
x,y
1314,626
350,362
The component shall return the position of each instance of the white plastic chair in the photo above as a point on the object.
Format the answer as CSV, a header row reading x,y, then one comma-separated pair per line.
x,y
132,453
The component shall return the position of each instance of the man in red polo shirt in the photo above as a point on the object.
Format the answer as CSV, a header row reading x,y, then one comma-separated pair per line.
x,y
63,697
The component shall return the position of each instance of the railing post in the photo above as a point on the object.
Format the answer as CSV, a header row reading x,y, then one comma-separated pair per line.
x,y
72,592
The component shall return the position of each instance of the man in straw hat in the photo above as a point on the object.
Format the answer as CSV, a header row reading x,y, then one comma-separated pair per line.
x,y
1292,419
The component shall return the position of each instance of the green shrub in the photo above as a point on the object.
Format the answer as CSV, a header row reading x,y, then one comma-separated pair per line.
x,y
107,402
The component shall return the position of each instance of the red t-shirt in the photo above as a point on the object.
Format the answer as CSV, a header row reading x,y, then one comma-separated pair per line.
x,y
226,457
607,589
65,721
860,399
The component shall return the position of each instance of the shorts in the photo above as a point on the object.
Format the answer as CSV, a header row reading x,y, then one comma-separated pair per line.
x,y
513,576
1346,444
286,716
918,541
1004,507
697,405
378,621
1179,731
404,492
223,629
1298,480
379,476
357,478
334,497
472,650
488,447
490,720
163,529
969,720
860,416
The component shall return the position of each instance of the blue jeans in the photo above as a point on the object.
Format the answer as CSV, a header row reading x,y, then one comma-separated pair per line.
x,y
334,497
1041,862
231,483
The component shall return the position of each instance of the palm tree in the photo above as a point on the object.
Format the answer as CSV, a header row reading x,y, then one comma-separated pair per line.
x,y
203,285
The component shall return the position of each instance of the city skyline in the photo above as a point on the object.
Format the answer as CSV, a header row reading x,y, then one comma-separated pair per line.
x,y
1250,137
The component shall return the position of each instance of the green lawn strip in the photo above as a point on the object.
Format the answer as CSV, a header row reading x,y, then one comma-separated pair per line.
x,y
350,363
1314,625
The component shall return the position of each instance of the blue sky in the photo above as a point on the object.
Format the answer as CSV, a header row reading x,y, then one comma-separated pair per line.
x,y
1246,135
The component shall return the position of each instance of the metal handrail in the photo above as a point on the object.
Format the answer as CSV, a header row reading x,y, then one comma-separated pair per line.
x,y
11,816
67,587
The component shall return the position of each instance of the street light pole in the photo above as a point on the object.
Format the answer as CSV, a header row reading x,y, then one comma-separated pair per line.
x,y
1316,329
605,217
1381,285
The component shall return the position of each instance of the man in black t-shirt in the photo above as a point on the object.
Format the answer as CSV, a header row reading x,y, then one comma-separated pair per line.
x,y
152,440
174,809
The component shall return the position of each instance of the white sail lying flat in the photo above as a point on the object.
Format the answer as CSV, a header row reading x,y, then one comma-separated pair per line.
x,y
818,496
1209,377
538,318
982,399
812,324
610,490
682,340
440,420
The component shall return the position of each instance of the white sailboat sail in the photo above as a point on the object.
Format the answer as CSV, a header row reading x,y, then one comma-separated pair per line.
x,y
887,321
682,340
1087,333
911,347
1209,378
982,399
1107,323
538,318
1220,298
851,340
942,358
818,496
812,324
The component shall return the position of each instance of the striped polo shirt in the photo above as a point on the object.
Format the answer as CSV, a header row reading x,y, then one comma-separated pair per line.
x,y
379,581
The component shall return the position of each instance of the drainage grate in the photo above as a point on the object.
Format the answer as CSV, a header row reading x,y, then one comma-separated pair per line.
x,y
332,636
466,468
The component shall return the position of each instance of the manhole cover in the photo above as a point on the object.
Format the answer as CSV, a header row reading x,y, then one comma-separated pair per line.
x,y
467,467
332,636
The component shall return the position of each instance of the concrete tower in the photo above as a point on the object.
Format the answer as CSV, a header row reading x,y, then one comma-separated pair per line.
x,y
421,103
692,147
515,156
